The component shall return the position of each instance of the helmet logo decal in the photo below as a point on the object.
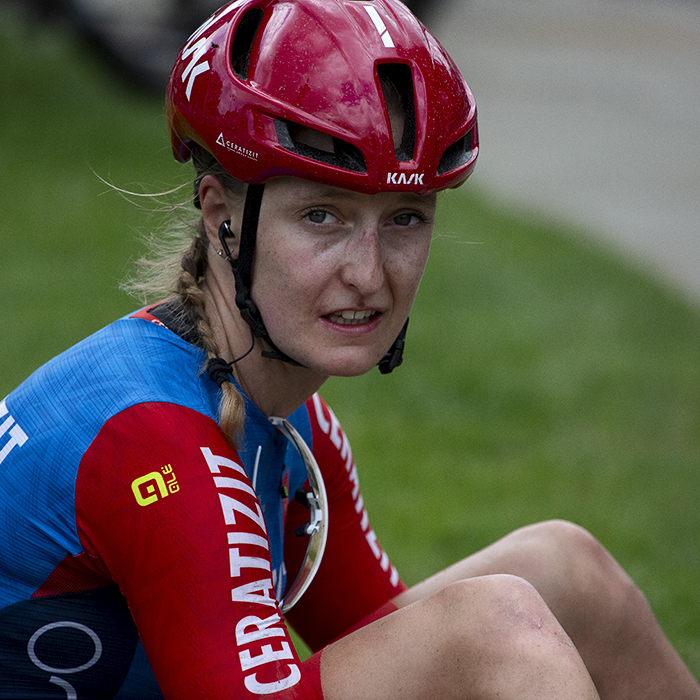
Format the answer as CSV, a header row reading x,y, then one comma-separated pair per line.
x,y
400,179
235,148
194,69
381,27
198,49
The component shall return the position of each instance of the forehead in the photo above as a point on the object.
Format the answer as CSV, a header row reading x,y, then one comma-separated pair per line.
x,y
294,190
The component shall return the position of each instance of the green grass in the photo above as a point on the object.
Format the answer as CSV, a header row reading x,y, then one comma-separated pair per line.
x,y
543,377
67,240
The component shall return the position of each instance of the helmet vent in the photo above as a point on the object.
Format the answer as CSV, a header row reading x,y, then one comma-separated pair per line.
x,y
459,153
397,86
319,146
243,42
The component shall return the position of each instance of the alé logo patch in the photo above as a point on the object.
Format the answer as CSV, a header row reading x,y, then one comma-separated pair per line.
x,y
154,486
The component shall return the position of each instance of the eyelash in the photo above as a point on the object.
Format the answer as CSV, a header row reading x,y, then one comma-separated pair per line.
x,y
315,210
421,218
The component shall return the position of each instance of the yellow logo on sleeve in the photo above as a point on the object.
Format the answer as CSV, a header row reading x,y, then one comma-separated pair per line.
x,y
153,486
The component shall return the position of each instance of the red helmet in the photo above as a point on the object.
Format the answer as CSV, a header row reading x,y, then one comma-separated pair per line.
x,y
258,70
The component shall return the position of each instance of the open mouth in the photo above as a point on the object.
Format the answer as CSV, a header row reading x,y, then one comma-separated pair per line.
x,y
351,318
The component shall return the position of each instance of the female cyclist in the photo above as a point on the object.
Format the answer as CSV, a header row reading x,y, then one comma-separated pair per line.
x,y
174,491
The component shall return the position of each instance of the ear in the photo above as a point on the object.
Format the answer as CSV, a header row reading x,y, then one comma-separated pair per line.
x,y
218,206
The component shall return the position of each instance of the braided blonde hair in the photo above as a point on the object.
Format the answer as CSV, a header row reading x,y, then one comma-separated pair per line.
x,y
168,271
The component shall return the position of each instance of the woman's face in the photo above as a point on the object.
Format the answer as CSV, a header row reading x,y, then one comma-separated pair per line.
x,y
336,271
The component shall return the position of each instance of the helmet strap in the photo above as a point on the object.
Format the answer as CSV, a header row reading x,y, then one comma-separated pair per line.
x,y
242,269
394,356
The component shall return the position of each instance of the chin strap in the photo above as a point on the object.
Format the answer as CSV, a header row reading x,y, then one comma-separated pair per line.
x,y
243,272
394,356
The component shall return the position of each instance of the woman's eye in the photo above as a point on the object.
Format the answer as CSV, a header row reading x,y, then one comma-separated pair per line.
x,y
406,220
319,216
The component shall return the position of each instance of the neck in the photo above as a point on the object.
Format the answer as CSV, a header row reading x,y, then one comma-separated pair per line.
x,y
277,388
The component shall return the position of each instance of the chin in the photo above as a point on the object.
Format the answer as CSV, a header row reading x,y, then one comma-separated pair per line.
x,y
345,363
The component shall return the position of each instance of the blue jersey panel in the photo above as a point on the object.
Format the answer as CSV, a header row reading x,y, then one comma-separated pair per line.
x,y
50,420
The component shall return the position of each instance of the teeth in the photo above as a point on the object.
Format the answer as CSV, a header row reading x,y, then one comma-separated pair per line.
x,y
347,316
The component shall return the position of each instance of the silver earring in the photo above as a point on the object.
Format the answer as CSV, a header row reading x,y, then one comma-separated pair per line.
x,y
220,253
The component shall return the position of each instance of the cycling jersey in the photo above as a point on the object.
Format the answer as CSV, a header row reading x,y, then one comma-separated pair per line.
x,y
143,557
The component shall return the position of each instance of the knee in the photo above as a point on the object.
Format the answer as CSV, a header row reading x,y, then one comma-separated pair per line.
x,y
502,611
579,567
486,637
572,550
500,628
493,597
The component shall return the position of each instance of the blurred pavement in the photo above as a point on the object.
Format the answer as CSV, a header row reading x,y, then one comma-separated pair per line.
x,y
589,110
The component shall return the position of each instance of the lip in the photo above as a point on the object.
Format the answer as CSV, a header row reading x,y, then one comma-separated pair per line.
x,y
366,326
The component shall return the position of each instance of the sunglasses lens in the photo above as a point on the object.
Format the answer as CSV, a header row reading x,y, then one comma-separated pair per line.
x,y
317,527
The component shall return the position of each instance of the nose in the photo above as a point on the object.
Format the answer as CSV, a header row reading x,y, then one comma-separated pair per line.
x,y
363,262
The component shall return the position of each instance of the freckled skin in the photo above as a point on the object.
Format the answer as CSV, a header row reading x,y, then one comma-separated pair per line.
x,y
320,250
350,254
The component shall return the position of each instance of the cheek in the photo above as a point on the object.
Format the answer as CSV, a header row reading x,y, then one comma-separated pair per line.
x,y
409,265
284,279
